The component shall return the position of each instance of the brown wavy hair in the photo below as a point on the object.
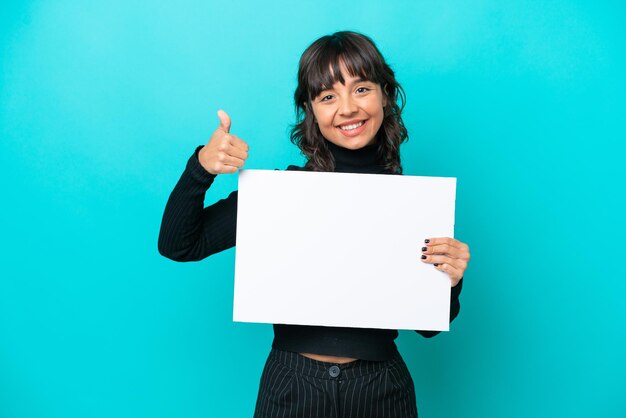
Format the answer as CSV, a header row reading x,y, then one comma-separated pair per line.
x,y
362,59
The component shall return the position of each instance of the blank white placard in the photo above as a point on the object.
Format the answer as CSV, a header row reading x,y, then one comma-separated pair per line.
x,y
341,249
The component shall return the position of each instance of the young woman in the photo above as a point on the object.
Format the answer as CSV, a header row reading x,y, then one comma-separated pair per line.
x,y
349,108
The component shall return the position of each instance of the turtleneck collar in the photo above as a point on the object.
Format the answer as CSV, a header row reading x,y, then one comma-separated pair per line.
x,y
363,160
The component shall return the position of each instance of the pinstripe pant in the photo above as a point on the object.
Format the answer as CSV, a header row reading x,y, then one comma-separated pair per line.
x,y
296,386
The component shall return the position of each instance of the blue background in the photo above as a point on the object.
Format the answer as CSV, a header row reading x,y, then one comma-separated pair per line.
x,y
101,104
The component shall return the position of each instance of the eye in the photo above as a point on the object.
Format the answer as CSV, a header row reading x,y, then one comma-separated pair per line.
x,y
326,98
362,90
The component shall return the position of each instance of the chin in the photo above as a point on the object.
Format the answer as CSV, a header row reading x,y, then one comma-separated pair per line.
x,y
353,144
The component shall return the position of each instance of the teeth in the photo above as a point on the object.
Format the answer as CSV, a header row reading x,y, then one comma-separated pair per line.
x,y
351,127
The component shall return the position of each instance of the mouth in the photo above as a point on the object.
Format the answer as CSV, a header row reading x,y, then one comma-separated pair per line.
x,y
353,127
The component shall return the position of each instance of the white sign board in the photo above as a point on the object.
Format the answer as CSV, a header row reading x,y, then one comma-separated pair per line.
x,y
340,249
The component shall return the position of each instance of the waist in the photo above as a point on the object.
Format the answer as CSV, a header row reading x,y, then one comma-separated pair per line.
x,y
329,359
330,370
337,344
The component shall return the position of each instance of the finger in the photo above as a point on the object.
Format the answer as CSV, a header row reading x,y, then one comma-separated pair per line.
x,y
223,158
224,120
445,240
237,152
228,169
439,240
233,161
440,259
436,259
238,143
217,167
445,249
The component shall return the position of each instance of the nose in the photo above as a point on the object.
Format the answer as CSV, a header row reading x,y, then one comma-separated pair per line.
x,y
348,106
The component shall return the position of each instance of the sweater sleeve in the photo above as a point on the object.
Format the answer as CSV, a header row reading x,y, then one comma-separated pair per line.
x,y
190,231
455,307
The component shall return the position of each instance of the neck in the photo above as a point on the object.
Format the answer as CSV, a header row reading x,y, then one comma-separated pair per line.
x,y
362,160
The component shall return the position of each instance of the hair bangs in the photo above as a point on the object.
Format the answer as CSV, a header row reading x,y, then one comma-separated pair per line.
x,y
329,61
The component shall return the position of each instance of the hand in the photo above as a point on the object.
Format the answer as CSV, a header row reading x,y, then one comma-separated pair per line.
x,y
447,254
224,153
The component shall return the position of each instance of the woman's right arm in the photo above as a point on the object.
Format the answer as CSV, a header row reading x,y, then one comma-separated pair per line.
x,y
189,231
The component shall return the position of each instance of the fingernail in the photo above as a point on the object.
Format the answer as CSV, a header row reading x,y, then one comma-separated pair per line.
x,y
426,241
424,248
423,257
436,264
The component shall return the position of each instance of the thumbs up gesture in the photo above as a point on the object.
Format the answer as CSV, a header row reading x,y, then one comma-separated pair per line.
x,y
224,153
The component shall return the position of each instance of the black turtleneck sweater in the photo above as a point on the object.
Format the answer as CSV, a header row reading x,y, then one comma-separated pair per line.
x,y
191,232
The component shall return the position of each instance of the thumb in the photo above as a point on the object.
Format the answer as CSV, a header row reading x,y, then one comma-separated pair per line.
x,y
224,120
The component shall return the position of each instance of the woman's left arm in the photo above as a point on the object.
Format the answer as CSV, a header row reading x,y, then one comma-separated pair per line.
x,y
448,255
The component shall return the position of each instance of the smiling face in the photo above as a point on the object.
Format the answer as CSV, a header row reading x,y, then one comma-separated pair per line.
x,y
350,114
